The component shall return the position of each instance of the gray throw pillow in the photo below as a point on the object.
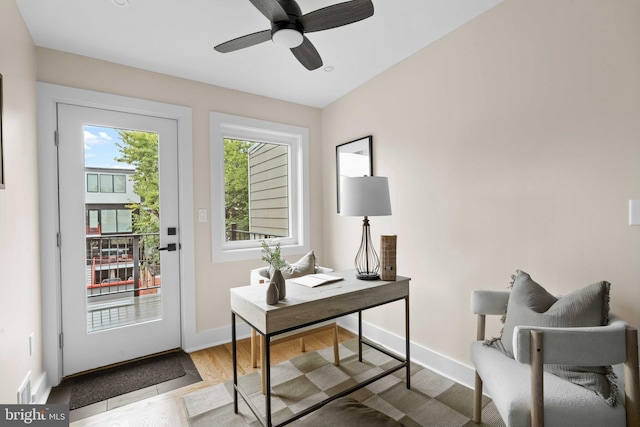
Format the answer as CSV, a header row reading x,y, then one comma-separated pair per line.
x,y
302,267
531,305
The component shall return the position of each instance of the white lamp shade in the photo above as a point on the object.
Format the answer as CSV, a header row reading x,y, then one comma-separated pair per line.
x,y
364,196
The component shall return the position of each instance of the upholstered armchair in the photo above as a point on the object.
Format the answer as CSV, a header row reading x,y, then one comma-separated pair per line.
x,y
259,277
526,394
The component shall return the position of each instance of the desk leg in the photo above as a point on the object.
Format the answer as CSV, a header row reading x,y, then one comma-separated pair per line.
x,y
266,367
407,341
235,360
360,336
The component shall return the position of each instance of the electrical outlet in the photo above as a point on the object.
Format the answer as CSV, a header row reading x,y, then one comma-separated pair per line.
x,y
31,344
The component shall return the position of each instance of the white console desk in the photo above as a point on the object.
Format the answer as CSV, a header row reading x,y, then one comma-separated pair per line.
x,y
306,306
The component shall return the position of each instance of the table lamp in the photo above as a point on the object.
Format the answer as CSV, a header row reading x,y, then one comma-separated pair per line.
x,y
365,196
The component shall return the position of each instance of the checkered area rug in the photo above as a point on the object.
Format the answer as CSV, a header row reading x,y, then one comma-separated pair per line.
x,y
307,379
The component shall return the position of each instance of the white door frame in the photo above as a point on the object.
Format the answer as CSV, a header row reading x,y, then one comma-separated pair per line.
x,y
48,96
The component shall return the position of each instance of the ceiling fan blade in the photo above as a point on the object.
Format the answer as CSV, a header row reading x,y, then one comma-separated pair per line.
x,y
244,41
307,54
271,9
337,15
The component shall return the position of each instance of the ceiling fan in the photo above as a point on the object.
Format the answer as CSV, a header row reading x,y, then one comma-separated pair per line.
x,y
289,25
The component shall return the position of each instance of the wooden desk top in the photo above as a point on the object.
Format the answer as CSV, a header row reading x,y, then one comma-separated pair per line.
x,y
304,305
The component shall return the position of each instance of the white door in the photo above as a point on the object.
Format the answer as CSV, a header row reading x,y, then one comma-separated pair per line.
x,y
118,198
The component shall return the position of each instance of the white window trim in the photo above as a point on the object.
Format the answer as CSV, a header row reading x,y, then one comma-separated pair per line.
x,y
243,128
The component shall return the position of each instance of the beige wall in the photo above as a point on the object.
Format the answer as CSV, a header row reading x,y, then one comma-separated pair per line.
x,y
512,143
19,241
213,280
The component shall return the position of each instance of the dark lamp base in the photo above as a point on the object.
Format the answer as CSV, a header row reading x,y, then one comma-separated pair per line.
x,y
368,276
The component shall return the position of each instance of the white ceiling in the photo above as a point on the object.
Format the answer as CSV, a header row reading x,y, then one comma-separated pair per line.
x,y
176,37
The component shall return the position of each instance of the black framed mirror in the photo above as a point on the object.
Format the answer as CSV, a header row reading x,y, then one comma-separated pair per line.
x,y
353,158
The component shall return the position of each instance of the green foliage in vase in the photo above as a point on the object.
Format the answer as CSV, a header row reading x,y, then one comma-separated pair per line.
x,y
272,257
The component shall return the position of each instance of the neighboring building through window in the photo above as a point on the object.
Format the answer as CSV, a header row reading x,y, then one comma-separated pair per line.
x,y
262,192
256,197
109,192
269,190
106,183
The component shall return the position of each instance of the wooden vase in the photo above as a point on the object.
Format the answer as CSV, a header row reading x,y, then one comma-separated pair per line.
x,y
388,249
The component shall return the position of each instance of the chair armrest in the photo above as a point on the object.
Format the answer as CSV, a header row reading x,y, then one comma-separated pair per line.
x,y
582,346
489,302
258,274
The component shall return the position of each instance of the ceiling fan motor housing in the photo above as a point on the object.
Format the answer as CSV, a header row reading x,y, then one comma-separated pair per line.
x,y
287,34
295,25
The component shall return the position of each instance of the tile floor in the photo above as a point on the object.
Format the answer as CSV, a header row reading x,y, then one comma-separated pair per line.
x,y
62,393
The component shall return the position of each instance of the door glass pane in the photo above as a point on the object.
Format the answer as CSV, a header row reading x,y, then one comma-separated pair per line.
x,y
122,258
256,190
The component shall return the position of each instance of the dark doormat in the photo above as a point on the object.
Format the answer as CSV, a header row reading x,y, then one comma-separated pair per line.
x,y
105,384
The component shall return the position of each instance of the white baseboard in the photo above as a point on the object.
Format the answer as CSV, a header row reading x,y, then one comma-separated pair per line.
x,y
214,337
430,359
41,390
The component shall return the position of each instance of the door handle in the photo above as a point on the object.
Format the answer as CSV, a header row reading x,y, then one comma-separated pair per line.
x,y
170,247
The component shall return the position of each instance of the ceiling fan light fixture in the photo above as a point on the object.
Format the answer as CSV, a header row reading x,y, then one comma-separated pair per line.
x,y
287,37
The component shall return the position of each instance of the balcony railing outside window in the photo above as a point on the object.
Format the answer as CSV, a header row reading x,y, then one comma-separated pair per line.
x,y
124,281
234,234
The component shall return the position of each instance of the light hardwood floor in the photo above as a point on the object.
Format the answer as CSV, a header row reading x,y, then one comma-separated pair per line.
x,y
214,365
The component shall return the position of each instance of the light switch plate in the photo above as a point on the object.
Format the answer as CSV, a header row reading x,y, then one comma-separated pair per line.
x,y
634,212
202,215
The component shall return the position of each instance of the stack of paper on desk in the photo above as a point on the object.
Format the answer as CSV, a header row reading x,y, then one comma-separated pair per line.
x,y
313,280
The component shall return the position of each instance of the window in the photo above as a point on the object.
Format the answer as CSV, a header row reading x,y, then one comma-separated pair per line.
x,y
93,222
112,183
125,223
260,191
119,184
109,221
92,182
